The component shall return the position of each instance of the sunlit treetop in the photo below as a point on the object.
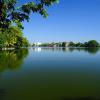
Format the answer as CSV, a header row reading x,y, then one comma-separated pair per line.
x,y
10,14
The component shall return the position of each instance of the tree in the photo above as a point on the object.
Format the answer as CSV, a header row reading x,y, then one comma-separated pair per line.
x,y
63,44
12,37
86,44
79,44
25,42
33,45
1,42
93,43
10,14
71,44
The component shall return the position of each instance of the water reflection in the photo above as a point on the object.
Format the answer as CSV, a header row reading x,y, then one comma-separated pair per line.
x,y
12,59
37,49
81,98
89,50
50,74
2,94
92,50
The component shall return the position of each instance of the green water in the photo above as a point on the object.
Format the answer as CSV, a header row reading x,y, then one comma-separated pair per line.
x,y
50,74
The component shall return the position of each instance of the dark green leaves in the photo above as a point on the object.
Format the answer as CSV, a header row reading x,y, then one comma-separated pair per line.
x,y
10,14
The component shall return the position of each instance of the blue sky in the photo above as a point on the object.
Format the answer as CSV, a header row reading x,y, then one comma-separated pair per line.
x,y
70,20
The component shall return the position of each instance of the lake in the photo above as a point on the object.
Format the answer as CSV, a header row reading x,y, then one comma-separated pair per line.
x,y
50,74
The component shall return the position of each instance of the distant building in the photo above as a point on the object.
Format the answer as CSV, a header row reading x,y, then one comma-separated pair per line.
x,y
37,43
67,44
52,44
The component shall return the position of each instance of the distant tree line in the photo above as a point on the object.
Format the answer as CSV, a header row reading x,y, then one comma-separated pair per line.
x,y
91,43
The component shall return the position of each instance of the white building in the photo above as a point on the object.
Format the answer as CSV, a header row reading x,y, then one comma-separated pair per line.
x,y
37,43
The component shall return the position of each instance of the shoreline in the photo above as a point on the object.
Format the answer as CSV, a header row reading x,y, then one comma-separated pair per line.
x,y
4,49
12,48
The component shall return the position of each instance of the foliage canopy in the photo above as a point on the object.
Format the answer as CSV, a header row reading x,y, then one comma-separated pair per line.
x,y
10,13
13,37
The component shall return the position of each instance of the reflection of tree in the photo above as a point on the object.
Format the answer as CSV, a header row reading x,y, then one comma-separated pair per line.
x,y
89,50
67,49
71,49
12,59
80,98
92,50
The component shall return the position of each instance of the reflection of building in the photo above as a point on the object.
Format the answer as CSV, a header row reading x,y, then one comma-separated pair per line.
x,y
38,49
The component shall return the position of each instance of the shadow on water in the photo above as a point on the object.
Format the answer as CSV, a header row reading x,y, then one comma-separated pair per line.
x,y
12,59
80,98
2,94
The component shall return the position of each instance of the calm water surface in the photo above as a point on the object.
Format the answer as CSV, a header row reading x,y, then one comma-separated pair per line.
x,y
50,74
